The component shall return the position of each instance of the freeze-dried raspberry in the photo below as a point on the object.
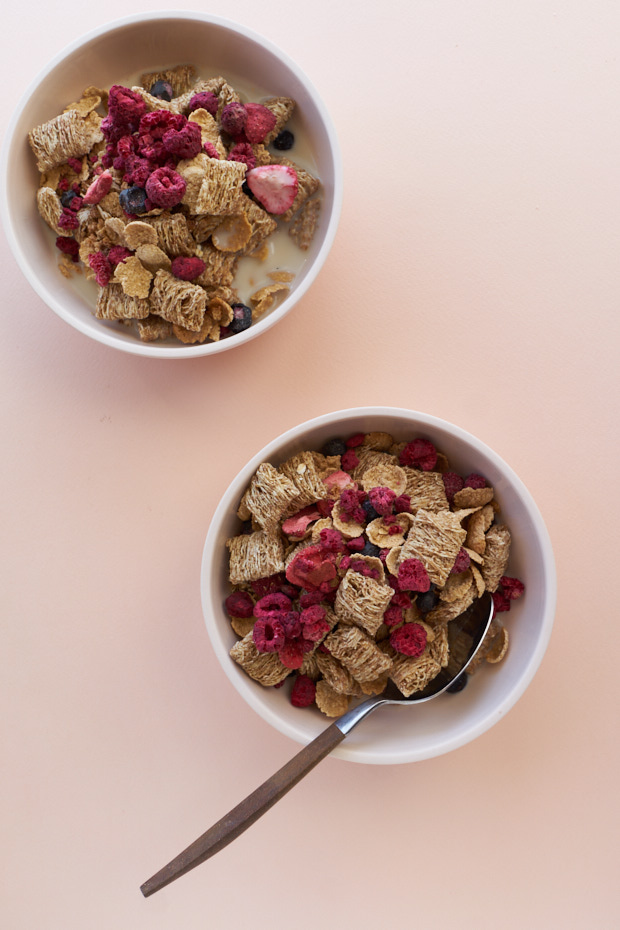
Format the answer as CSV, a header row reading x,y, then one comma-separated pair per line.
x,y
394,530
354,441
100,264
269,585
232,119
512,588
290,590
298,524
409,640
402,504
314,623
382,499
239,604
401,599
331,540
244,153
419,453
211,150
101,186
68,246
292,653
165,188
393,615
349,460
303,691
475,481
126,105
363,568
187,267
76,164
452,483
183,143
126,146
118,254
259,121
356,544
412,576
155,124
460,563
501,603
272,604
383,554
268,635
310,569
68,220
309,599
63,184
291,624
350,505
325,507
204,101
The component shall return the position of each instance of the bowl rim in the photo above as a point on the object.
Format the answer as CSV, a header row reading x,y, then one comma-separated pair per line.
x,y
243,684
109,338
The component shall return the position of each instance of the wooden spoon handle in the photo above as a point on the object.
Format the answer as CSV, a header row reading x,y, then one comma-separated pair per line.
x,y
248,811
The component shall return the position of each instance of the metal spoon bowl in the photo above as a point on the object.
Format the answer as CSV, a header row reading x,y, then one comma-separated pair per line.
x,y
465,634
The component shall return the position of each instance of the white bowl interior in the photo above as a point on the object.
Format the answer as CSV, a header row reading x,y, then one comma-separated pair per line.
x,y
120,52
402,734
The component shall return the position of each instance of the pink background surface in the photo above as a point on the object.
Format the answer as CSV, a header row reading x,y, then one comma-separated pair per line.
x,y
474,276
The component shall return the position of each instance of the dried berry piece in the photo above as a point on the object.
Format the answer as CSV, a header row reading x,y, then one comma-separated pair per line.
x,y
232,119
303,691
68,246
274,186
268,635
259,121
204,101
412,576
187,268
512,588
419,453
284,141
409,640
163,90
452,483
133,200
239,604
242,319
165,187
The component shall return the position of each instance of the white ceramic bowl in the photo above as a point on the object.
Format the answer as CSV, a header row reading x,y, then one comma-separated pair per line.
x,y
118,52
402,734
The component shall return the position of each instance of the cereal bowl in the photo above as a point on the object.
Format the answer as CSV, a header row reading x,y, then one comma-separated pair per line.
x,y
118,53
395,734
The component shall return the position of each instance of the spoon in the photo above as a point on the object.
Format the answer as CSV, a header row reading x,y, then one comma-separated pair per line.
x,y
465,634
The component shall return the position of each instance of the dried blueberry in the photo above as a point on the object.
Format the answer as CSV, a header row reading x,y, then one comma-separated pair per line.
x,y
334,447
162,90
284,141
133,199
371,549
458,684
67,197
369,510
427,600
242,318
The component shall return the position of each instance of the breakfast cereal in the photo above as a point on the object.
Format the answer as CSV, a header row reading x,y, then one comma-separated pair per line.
x,y
161,191
352,561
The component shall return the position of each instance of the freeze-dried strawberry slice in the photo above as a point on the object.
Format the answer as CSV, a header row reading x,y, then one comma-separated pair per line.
x,y
275,186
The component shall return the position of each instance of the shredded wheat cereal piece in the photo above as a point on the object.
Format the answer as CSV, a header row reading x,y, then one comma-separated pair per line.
x,y
255,555
426,490
435,539
302,470
219,267
221,189
411,675
264,667
282,108
50,208
358,652
367,458
309,666
114,304
173,235
178,301
362,601
378,440
330,702
270,496
66,136
303,226
438,647
153,328
335,674
496,555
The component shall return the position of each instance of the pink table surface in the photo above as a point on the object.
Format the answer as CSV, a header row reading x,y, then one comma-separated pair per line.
x,y
474,276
